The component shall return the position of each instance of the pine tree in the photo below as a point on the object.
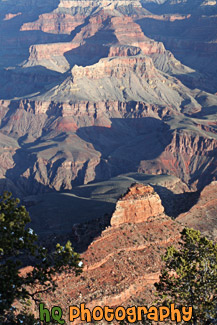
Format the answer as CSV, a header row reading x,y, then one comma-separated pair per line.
x,y
189,277
18,243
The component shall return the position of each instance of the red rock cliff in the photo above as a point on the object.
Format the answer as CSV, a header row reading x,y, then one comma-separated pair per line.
x,y
138,205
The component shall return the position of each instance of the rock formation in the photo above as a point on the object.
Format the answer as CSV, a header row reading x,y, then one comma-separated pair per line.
x,y
57,23
138,205
194,35
91,90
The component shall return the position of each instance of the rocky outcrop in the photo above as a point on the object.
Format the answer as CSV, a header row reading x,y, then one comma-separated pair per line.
x,y
71,14
48,51
118,30
105,98
122,78
10,16
190,153
102,26
123,50
116,67
137,205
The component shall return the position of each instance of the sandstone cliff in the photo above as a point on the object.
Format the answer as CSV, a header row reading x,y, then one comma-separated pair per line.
x,y
56,23
138,205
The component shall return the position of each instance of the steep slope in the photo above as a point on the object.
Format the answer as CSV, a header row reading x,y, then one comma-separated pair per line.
x,y
67,144
120,79
105,33
63,37
202,215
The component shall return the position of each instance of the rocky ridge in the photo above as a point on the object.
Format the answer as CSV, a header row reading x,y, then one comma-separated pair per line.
x,y
194,35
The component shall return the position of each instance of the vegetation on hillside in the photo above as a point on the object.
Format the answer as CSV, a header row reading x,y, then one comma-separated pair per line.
x,y
19,247
189,277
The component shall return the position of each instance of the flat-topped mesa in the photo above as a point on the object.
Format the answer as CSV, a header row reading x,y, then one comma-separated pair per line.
x,y
139,204
111,4
115,67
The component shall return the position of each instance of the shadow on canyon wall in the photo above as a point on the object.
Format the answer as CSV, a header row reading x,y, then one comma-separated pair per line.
x,y
122,146
175,204
126,143
14,50
182,38
15,41
28,81
58,217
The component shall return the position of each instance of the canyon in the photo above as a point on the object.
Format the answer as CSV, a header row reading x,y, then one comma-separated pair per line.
x,y
91,90
108,134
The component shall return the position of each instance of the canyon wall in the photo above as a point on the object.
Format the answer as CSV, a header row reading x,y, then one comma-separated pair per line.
x,y
84,142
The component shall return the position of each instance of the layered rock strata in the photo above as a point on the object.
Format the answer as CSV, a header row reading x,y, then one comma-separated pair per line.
x,y
72,149
138,205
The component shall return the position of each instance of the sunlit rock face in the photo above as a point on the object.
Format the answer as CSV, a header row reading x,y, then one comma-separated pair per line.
x,y
137,205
